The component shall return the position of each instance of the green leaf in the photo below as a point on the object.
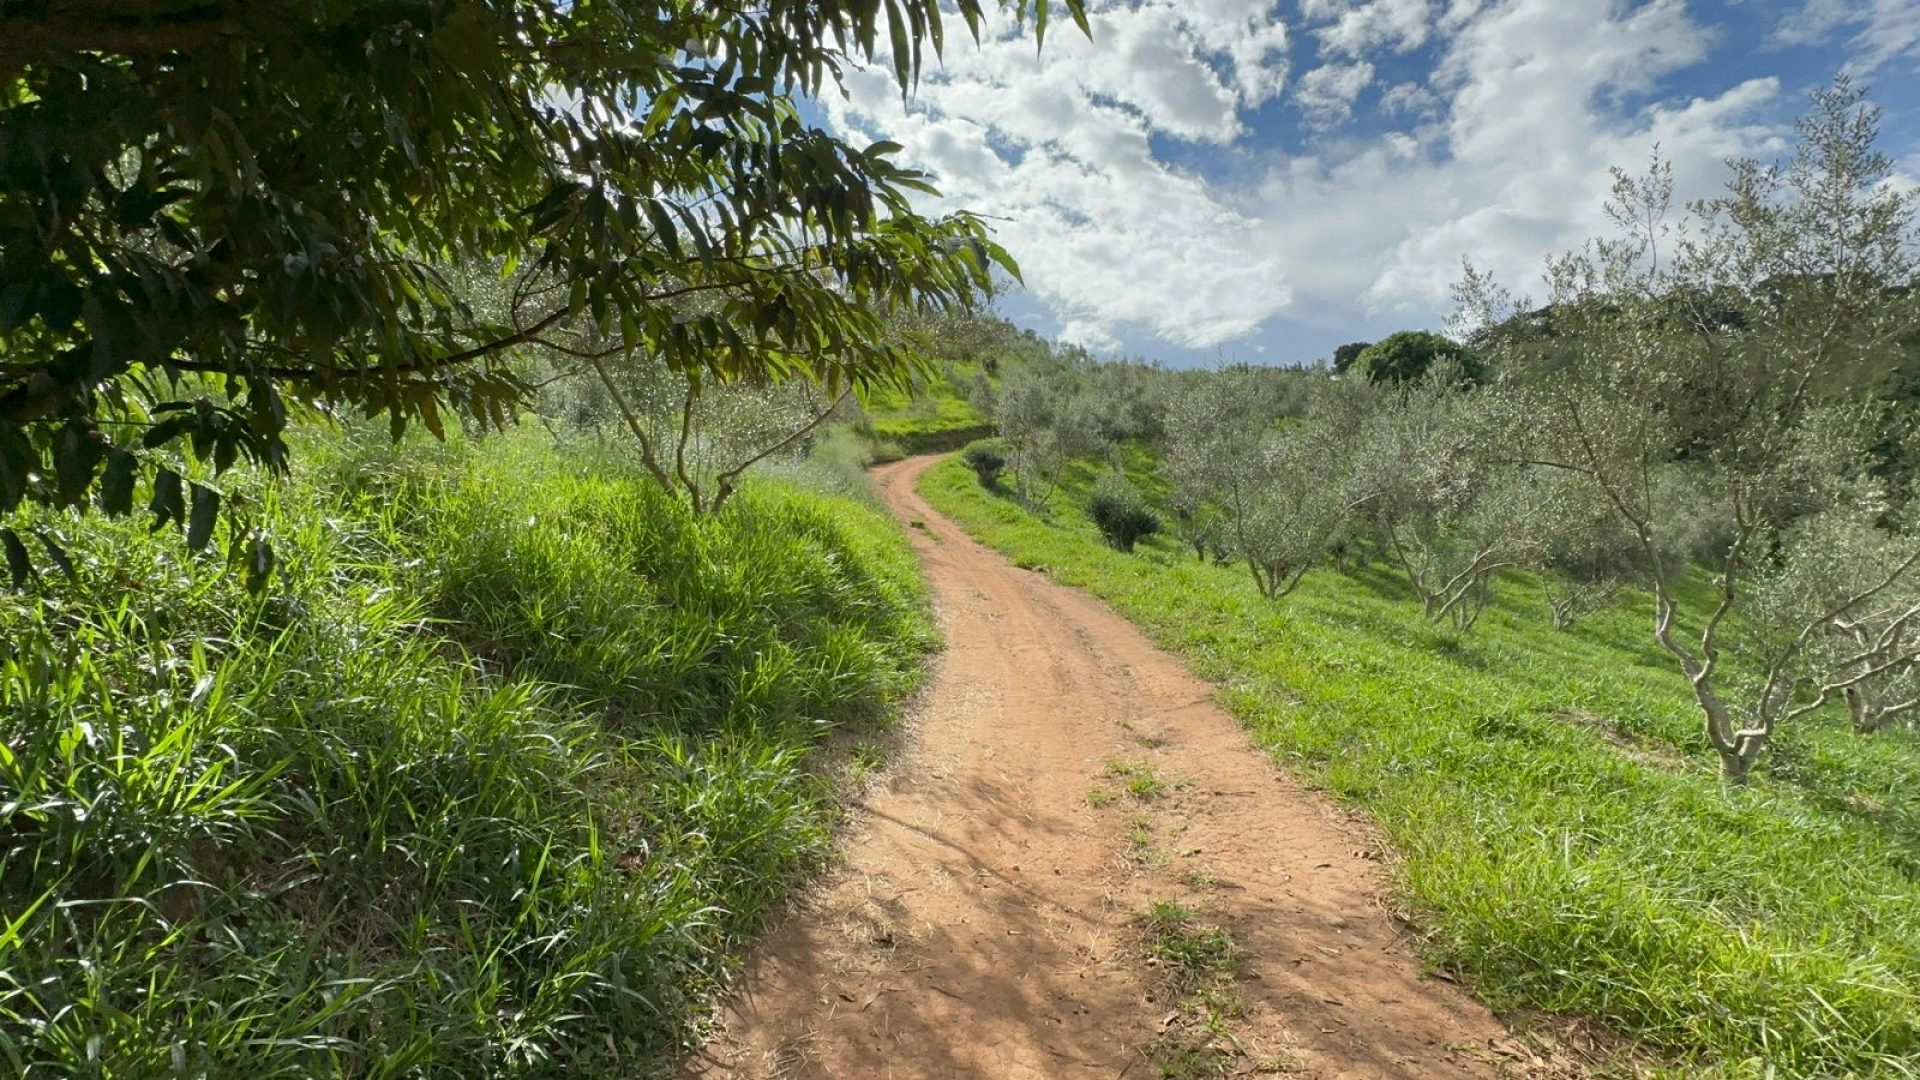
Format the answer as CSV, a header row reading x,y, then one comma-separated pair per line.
x,y
76,453
663,229
226,448
19,566
936,32
116,483
260,563
166,430
57,553
430,416
169,501
206,510
902,51
59,303
17,459
16,305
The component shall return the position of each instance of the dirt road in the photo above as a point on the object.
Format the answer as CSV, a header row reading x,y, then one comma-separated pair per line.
x,y
986,918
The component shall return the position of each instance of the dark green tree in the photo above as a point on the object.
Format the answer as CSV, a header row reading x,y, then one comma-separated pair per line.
x,y
1410,354
1345,355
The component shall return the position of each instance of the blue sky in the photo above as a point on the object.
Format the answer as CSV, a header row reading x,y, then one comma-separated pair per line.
x,y
1240,180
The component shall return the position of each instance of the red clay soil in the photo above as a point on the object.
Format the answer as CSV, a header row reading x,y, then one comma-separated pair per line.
x,y
985,917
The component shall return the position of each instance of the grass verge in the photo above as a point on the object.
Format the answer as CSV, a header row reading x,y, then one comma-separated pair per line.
x,y
509,759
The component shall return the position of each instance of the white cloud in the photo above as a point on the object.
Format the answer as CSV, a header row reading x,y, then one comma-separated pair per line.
x,y
1058,145
1327,93
1529,136
1458,14
1502,152
1880,31
1250,36
1396,25
1408,99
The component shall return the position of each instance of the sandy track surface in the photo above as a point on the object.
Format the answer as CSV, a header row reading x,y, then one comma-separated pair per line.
x,y
985,917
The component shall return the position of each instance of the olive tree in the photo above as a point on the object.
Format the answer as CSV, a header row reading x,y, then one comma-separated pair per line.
x,y
1120,511
1277,491
216,215
1864,652
1585,558
1733,346
695,441
1043,422
1293,507
1196,521
1126,398
1450,514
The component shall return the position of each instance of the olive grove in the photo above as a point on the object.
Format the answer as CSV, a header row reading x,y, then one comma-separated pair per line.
x,y
1731,350
1714,404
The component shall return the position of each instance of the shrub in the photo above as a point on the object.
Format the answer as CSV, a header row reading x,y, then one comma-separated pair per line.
x,y
1120,512
987,460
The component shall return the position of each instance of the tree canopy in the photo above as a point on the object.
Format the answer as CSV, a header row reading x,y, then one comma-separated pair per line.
x,y
1736,351
1410,354
215,215
1345,355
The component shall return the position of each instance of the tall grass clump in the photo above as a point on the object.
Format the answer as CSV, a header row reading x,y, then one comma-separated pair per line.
x,y
508,757
1563,832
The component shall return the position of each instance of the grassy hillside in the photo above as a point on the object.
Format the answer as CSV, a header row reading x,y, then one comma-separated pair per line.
x,y
510,756
1562,833
936,414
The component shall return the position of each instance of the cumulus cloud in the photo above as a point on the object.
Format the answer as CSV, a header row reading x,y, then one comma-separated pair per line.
x,y
1408,99
1395,25
1173,181
1327,93
1059,144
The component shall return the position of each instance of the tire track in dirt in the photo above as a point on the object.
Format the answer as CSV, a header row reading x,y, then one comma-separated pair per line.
x,y
983,920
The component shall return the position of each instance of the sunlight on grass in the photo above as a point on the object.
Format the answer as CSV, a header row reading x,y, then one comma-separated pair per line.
x,y
1769,931
509,758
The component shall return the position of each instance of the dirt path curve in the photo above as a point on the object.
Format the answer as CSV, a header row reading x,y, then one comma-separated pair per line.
x,y
985,918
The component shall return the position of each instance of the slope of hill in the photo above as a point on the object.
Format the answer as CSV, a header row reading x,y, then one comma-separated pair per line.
x,y
1562,836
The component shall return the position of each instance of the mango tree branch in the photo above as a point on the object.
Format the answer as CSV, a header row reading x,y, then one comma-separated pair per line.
x,y
639,430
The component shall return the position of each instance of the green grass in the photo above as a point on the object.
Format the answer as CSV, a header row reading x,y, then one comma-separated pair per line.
x,y
938,414
1141,853
1563,833
1195,967
1193,954
1138,778
510,759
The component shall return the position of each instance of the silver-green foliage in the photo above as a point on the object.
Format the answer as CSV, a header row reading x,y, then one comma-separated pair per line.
x,y
1043,424
1275,493
1731,346
1841,591
1120,511
1447,508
